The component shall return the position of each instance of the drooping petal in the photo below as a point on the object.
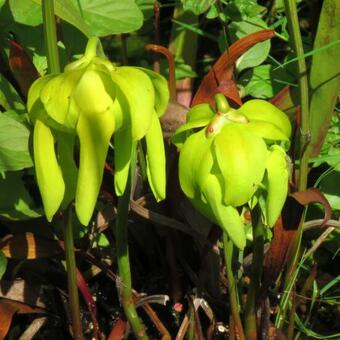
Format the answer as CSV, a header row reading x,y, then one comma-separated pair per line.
x,y
226,216
277,183
94,132
155,159
123,147
49,176
65,146
241,158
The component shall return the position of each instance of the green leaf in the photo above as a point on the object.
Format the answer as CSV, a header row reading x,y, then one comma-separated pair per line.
x,y
213,12
184,70
2,2
238,10
311,334
14,149
103,241
3,264
15,201
258,53
69,11
197,6
324,75
330,187
9,98
106,17
26,12
264,81
146,6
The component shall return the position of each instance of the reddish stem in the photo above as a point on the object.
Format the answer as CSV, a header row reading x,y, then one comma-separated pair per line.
x,y
171,61
156,15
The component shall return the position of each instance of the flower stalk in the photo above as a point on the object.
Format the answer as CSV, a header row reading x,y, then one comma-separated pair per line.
x,y
296,40
228,247
122,248
54,67
256,275
50,36
72,275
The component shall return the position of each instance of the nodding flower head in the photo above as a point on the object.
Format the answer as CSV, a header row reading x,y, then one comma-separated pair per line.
x,y
229,158
92,100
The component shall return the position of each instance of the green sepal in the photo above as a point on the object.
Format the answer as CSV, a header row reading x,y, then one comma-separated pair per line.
x,y
183,131
35,107
258,109
33,96
49,175
241,157
56,94
161,88
266,130
198,116
189,161
276,181
200,112
155,159
138,98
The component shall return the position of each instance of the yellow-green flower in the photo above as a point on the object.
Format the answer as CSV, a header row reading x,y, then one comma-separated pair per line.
x,y
232,156
91,101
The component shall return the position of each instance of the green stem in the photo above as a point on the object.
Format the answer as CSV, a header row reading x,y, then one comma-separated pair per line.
x,y
295,34
191,330
228,255
72,275
256,275
295,37
54,67
123,256
50,36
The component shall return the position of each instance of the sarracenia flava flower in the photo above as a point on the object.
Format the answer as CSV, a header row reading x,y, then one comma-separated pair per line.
x,y
234,155
92,100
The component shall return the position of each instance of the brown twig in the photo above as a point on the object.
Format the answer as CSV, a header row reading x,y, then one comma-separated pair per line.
x,y
156,15
171,61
